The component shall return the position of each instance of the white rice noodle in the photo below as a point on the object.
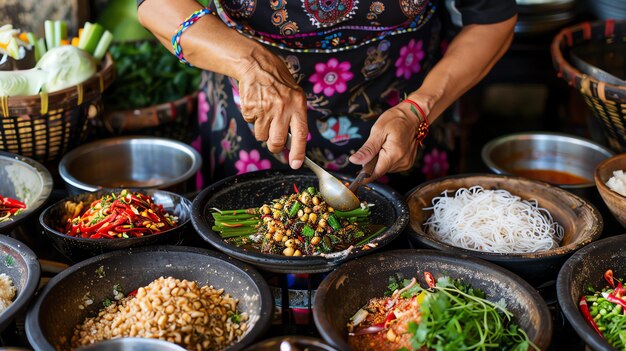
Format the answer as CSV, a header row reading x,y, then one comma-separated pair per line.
x,y
492,221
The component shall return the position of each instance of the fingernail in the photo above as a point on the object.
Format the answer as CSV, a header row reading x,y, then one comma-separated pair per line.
x,y
356,157
295,164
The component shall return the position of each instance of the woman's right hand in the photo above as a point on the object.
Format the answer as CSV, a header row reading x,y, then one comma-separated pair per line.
x,y
273,101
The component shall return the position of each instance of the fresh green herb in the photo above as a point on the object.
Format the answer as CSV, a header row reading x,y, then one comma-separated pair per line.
x,y
107,303
100,272
146,75
457,317
9,261
236,318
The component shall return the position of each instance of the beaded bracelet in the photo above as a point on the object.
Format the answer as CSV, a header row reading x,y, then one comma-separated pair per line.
x,y
178,50
422,127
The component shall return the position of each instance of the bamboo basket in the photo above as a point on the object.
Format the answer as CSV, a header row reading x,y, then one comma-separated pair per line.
x,y
45,126
606,101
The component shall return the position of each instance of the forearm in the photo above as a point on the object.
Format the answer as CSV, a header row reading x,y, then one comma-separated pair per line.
x,y
470,56
208,44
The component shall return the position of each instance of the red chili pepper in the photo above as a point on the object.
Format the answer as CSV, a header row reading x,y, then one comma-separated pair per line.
x,y
616,300
13,203
391,316
619,290
584,309
608,276
430,280
295,189
132,293
300,238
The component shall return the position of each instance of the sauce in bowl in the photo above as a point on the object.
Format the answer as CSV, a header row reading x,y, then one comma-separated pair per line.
x,y
552,176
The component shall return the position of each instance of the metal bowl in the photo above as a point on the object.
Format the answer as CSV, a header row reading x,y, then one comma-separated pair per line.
x,y
56,312
130,162
54,218
353,284
291,343
581,221
547,151
253,189
585,267
132,344
26,180
19,263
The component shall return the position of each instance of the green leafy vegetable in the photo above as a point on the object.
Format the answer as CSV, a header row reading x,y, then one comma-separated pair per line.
x,y
106,303
21,83
9,261
146,75
100,272
456,316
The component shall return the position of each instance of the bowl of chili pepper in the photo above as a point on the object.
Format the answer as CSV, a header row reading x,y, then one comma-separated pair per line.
x,y
89,224
591,293
25,185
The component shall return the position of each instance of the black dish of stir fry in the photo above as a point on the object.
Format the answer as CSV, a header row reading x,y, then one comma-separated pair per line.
x,y
298,224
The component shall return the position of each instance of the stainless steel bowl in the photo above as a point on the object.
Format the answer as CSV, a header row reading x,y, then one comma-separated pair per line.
x,y
132,344
26,180
131,162
546,151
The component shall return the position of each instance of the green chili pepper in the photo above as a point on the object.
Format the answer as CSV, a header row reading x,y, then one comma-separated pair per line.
x,y
333,222
293,211
311,190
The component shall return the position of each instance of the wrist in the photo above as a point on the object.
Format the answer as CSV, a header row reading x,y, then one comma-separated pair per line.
x,y
425,101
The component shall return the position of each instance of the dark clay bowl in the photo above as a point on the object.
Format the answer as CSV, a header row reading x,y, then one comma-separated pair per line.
x,y
20,263
55,312
581,221
54,218
295,342
353,284
256,188
587,266
26,180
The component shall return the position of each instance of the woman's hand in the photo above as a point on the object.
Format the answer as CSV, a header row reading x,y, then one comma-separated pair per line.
x,y
269,96
272,100
394,139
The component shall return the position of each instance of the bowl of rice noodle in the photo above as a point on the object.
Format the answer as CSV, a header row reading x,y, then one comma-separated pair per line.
x,y
526,226
610,178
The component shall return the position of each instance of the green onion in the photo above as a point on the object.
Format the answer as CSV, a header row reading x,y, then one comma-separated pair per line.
x,y
366,240
311,190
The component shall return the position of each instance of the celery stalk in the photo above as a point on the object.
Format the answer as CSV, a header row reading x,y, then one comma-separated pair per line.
x,y
83,34
49,31
60,32
92,36
103,45
40,48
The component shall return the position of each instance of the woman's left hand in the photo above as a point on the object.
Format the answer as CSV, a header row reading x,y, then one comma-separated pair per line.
x,y
394,139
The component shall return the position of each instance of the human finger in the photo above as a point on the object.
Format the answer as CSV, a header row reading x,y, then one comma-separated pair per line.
x,y
299,135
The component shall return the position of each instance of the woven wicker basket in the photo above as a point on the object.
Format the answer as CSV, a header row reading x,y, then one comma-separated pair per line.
x,y
607,101
46,126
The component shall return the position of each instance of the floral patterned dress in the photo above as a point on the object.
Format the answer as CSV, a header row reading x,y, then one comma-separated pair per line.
x,y
353,58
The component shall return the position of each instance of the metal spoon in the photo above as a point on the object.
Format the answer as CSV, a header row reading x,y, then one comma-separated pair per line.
x,y
332,189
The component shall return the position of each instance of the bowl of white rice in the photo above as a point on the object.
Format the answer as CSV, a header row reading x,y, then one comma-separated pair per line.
x,y
610,178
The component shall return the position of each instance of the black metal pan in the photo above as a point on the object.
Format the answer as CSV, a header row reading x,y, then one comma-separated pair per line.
x,y
253,189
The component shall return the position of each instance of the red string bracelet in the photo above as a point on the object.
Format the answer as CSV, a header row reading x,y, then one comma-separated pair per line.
x,y
422,127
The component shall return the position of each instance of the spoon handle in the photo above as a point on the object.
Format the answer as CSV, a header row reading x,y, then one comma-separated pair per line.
x,y
366,172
